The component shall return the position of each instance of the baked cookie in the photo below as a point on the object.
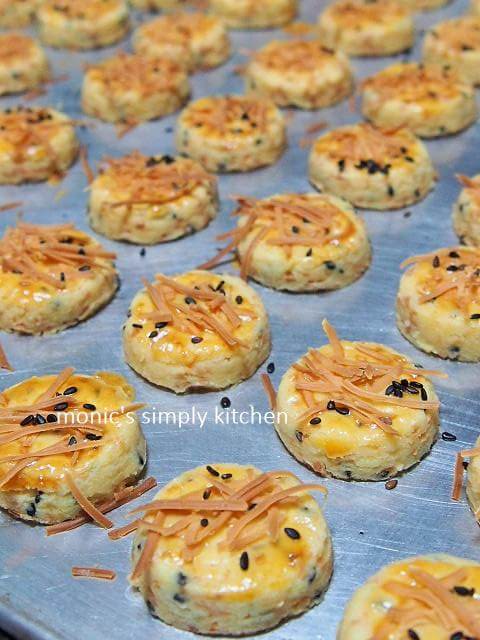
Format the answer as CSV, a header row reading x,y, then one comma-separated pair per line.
x,y
357,410
298,242
36,143
90,24
232,571
372,168
301,73
438,303
466,211
429,100
195,331
52,277
73,441
251,14
431,596
231,133
366,27
17,13
23,63
194,40
133,88
455,44
151,199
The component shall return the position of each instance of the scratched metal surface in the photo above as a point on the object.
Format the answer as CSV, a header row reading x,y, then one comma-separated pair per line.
x,y
370,526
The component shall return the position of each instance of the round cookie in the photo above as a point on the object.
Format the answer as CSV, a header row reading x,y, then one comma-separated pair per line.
x,y
430,597
63,444
372,168
231,133
298,242
466,211
151,199
36,143
251,14
430,101
17,13
193,40
232,572
23,63
90,24
133,88
356,410
301,73
366,27
52,277
195,331
455,44
438,304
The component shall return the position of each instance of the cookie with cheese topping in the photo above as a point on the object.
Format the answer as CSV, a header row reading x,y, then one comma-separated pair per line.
x,y
36,143
466,211
231,133
17,13
430,101
133,88
52,277
248,558
193,40
152,199
455,44
373,168
432,597
250,14
195,331
356,410
438,304
23,63
301,73
74,440
68,24
298,242
366,27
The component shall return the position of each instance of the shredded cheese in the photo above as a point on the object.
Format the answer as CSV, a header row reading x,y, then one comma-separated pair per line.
x,y
93,572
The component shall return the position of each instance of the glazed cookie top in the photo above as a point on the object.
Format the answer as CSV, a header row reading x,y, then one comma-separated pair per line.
x,y
304,226
196,315
449,278
431,597
416,83
297,55
39,262
179,27
236,117
84,11
342,386
24,128
52,425
136,179
358,14
228,527
459,34
137,73
366,147
14,46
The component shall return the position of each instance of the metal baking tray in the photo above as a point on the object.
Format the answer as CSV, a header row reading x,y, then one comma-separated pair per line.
x,y
370,526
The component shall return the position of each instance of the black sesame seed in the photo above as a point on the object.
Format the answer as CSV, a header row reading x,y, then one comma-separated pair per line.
x,y
85,267
225,402
464,591
475,316
390,390
315,420
89,407
423,394
343,411
181,579
52,417
239,299
331,405
309,253
39,419
179,598
197,339
61,406
436,262
448,437
72,441
244,561
160,325
28,420
226,476
190,300
70,391
270,367
299,436
212,471
454,254
207,493
292,533
31,510
413,635
143,252
330,265
93,436
204,522
153,334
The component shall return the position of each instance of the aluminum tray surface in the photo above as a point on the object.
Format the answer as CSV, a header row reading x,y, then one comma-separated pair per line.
x,y
370,526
